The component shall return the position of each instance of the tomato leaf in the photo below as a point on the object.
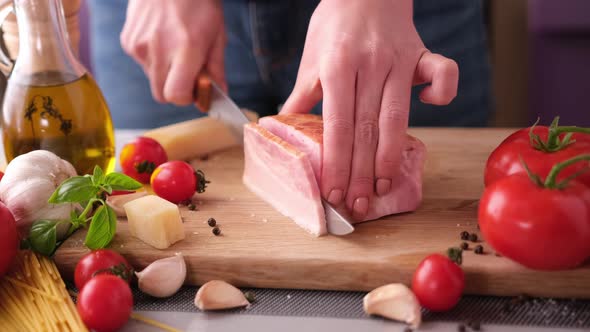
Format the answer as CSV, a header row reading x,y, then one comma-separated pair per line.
x,y
102,228
118,181
42,237
74,190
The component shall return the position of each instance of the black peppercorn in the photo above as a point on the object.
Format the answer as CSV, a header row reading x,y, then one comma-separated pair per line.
x,y
212,222
192,207
250,297
478,249
461,328
475,326
216,231
473,237
464,246
464,235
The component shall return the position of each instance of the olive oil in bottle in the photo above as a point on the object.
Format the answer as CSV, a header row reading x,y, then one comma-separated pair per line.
x,y
51,102
70,119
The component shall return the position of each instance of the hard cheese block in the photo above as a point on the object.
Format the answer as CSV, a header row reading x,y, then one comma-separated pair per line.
x,y
195,138
155,221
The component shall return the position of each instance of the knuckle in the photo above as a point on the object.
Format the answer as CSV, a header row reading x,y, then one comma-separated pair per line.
x,y
337,124
368,132
395,111
361,184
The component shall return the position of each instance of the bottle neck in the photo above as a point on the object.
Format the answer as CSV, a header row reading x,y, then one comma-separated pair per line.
x,y
45,56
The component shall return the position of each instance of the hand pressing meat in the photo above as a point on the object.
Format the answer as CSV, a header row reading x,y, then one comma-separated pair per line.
x,y
283,165
362,60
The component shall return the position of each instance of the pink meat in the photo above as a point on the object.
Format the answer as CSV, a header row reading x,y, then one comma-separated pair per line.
x,y
282,176
300,136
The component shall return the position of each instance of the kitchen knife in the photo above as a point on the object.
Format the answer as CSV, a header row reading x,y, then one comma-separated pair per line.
x,y
212,99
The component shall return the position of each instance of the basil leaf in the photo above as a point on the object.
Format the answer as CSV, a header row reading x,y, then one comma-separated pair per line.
x,y
75,189
102,228
119,181
97,176
42,237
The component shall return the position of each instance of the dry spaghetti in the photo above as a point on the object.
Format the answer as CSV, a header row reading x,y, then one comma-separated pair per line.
x,y
33,297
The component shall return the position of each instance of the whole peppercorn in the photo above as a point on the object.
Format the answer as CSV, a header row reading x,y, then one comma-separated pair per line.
x,y
216,231
192,207
464,246
461,328
464,235
212,222
473,237
478,249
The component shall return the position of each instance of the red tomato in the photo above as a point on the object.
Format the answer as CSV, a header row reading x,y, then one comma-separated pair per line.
x,y
121,192
1,175
8,239
101,261
438,283
505,160
105,303
538,227
175,181
140,157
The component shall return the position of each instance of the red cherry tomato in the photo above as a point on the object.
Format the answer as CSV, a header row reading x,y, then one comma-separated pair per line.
x,y
105,303
538,227
1,175
505,159
121,192
101,261
8,239
438,283
175,181
140,157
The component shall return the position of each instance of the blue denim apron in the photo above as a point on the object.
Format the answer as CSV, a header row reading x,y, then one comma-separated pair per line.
x,y
265,43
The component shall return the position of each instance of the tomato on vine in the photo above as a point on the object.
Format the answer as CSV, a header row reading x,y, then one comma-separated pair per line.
x,y
543,225
540,147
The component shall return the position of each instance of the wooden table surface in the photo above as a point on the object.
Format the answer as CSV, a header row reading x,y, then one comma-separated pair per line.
x,y
261,248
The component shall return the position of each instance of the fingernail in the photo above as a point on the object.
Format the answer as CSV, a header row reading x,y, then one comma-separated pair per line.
x,y
360,207
335,196
383,186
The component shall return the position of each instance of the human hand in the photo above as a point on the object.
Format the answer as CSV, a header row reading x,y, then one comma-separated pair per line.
x,y
363,58
174,41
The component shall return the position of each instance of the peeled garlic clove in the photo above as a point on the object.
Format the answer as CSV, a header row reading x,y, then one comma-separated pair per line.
x,y
394,301
163,277
116,202
218,294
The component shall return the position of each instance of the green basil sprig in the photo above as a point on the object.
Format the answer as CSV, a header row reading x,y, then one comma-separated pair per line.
x,y
89,191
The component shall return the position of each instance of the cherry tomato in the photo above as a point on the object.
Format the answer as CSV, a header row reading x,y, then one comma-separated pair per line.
x,y
538,227
121,192
505,159
105,303
101,261
438,283
8,239
175,181
140,157
1,175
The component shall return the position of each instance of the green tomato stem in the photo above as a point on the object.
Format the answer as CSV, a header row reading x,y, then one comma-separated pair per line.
x,y
553,144
550,181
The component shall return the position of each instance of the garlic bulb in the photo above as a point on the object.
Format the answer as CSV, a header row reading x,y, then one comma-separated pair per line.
x,y
28,182
163,277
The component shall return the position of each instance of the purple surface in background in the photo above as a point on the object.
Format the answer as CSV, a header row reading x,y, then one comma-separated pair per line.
x,y
559,61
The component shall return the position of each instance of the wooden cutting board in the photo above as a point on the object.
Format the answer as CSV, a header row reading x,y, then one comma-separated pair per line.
x,y
261,248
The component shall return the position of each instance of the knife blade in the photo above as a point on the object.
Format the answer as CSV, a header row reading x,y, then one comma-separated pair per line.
x,y
214,101
337,219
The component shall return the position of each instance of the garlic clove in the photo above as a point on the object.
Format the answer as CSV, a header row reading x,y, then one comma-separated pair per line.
x,y
164,277
218,294
394,301
117,202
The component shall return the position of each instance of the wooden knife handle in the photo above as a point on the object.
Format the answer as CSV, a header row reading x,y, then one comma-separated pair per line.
x,y
202,93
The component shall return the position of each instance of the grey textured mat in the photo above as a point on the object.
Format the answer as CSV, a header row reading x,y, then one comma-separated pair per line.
x,y
486,310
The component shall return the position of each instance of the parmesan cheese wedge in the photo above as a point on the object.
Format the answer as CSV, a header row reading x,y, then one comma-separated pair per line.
x,y
195,138
154,221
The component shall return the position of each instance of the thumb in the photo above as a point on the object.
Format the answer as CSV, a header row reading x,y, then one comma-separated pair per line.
x,y
442,73
305,95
